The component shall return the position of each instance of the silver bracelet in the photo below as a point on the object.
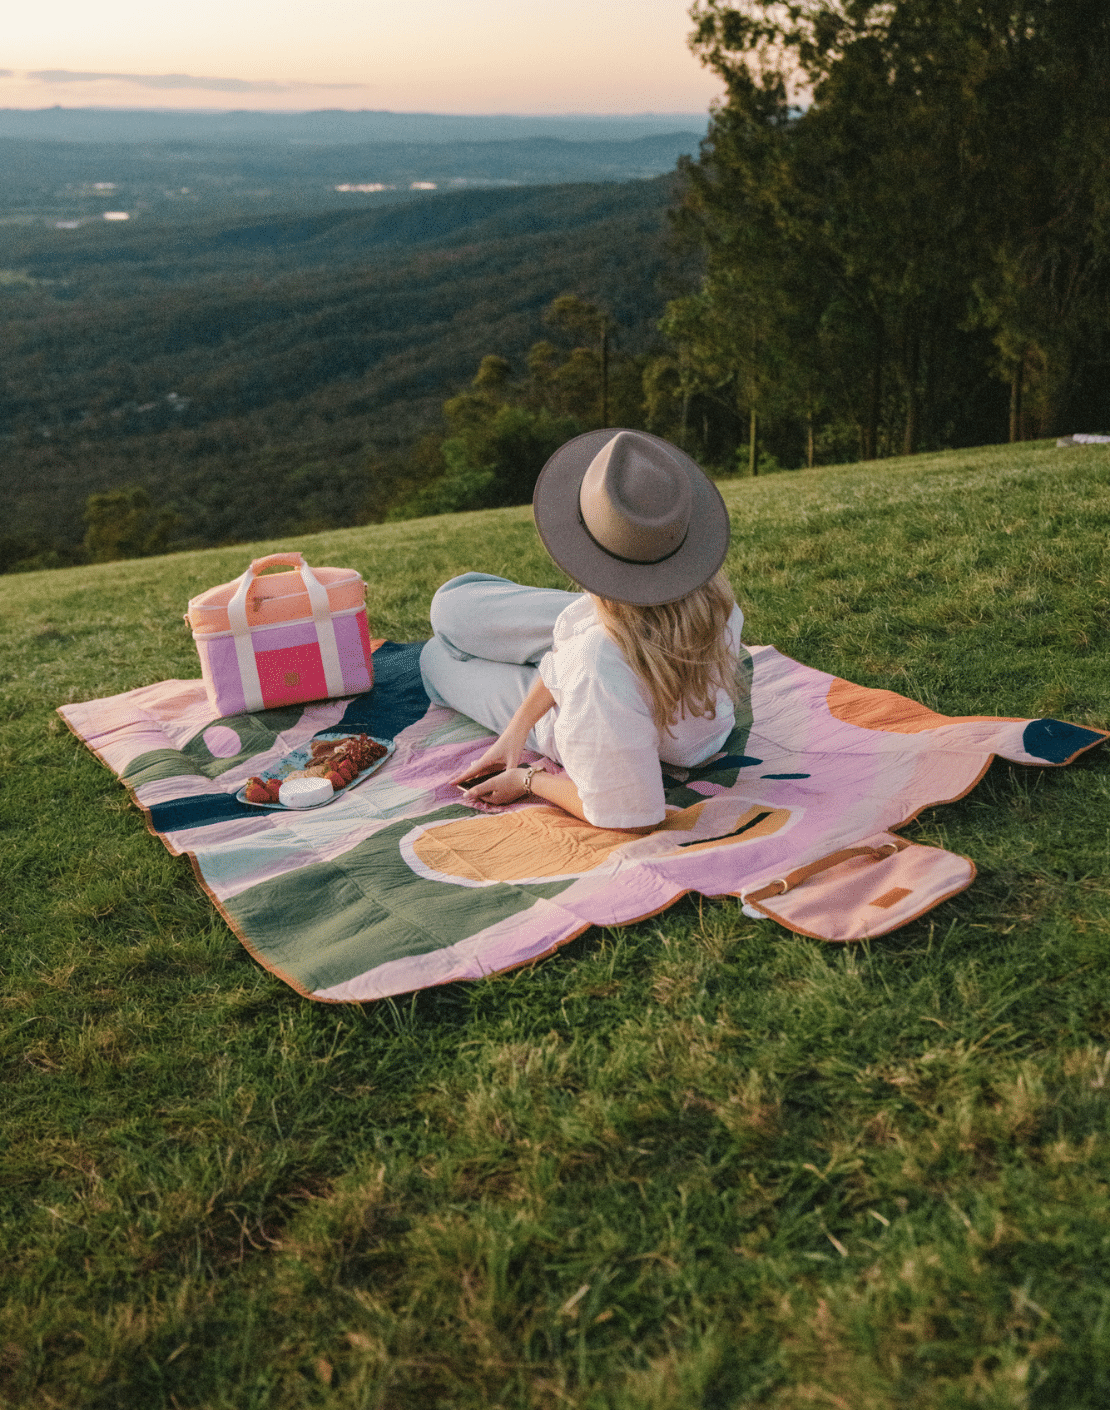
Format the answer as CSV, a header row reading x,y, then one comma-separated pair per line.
x,y
526,781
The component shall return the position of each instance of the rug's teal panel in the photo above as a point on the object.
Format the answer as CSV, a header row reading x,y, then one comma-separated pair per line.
x,y
331,921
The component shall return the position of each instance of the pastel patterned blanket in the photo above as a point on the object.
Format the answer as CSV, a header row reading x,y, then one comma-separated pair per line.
x,y
399,884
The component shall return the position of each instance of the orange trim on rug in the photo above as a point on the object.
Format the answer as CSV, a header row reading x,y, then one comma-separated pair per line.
x,y
887,711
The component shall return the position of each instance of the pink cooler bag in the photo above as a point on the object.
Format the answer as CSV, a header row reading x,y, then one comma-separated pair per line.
x,y
282,639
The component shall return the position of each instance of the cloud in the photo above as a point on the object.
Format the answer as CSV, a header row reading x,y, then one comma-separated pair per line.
x,y
175,80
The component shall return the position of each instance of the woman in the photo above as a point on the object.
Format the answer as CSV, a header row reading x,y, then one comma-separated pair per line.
x,y
637,670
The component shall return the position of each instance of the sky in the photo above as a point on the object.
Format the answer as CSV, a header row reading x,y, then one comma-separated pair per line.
x,y
436,56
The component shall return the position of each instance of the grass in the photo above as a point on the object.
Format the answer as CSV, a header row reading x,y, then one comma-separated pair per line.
x,y
698,1162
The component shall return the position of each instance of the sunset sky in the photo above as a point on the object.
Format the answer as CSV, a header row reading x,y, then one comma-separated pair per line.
x,y
443,56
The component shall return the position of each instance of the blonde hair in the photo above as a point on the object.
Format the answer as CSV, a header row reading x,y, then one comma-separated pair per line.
x,y
678,650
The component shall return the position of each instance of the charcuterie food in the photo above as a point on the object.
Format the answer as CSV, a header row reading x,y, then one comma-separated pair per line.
x,y
341,759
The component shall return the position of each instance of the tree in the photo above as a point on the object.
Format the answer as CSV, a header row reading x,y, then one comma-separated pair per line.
x,y
123,524
572,314
720,352
501,432
1043,112
494,451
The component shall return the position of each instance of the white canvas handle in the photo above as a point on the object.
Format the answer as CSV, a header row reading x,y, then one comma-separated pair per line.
x,y
325,629
244,646
321,616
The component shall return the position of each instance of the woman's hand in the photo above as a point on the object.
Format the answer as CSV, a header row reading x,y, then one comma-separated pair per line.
x,y
502,788
498,779
504,753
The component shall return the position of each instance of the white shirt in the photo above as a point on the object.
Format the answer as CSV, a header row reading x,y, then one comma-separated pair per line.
x,y
601,730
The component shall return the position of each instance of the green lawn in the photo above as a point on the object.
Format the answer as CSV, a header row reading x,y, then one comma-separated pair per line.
x,y
697,1162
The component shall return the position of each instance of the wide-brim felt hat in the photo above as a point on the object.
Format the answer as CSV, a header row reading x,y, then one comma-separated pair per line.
x,y
630,517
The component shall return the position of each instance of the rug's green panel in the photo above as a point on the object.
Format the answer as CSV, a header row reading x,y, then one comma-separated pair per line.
x,y
257,734
458,730
331,921
157,764
737,741
745,674
724,771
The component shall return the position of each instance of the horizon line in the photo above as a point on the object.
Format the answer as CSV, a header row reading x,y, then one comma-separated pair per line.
x,y
375,112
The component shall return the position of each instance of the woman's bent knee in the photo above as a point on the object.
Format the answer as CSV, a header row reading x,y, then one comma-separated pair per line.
x,y
454,613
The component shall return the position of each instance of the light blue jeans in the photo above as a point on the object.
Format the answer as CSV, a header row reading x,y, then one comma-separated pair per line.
x,y
490,635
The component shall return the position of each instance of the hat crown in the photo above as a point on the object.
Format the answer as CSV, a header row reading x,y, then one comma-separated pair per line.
x,y
635,499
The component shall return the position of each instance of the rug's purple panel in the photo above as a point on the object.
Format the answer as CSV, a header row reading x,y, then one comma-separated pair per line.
x,y
352,638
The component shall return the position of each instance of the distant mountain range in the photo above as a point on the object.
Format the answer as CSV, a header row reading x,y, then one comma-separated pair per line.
x,y
329,127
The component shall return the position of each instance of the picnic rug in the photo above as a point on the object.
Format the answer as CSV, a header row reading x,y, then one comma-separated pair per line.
x,y
399,884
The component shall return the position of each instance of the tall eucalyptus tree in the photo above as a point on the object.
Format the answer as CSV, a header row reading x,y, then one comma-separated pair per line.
x,y
893,184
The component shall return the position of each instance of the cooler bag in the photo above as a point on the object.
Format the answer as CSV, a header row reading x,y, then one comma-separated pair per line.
x,y
282,639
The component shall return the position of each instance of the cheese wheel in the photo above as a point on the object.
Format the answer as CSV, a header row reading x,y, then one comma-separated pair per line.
x,y
305,792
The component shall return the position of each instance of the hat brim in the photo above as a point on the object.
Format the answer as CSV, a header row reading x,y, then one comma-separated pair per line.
x,y
560,527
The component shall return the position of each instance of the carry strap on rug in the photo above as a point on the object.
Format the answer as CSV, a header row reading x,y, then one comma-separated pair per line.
x,y
862,891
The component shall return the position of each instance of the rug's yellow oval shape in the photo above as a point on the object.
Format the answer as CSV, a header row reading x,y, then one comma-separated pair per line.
x,y
531,844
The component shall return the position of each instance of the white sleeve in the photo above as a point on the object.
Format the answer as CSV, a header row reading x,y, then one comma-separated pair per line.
x,y
607,740
735,628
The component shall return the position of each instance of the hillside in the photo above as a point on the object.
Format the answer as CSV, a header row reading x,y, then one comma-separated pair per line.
x,y
255,375
695,1161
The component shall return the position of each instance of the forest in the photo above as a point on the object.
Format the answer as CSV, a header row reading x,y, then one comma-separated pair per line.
x,y
282,375
895,237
